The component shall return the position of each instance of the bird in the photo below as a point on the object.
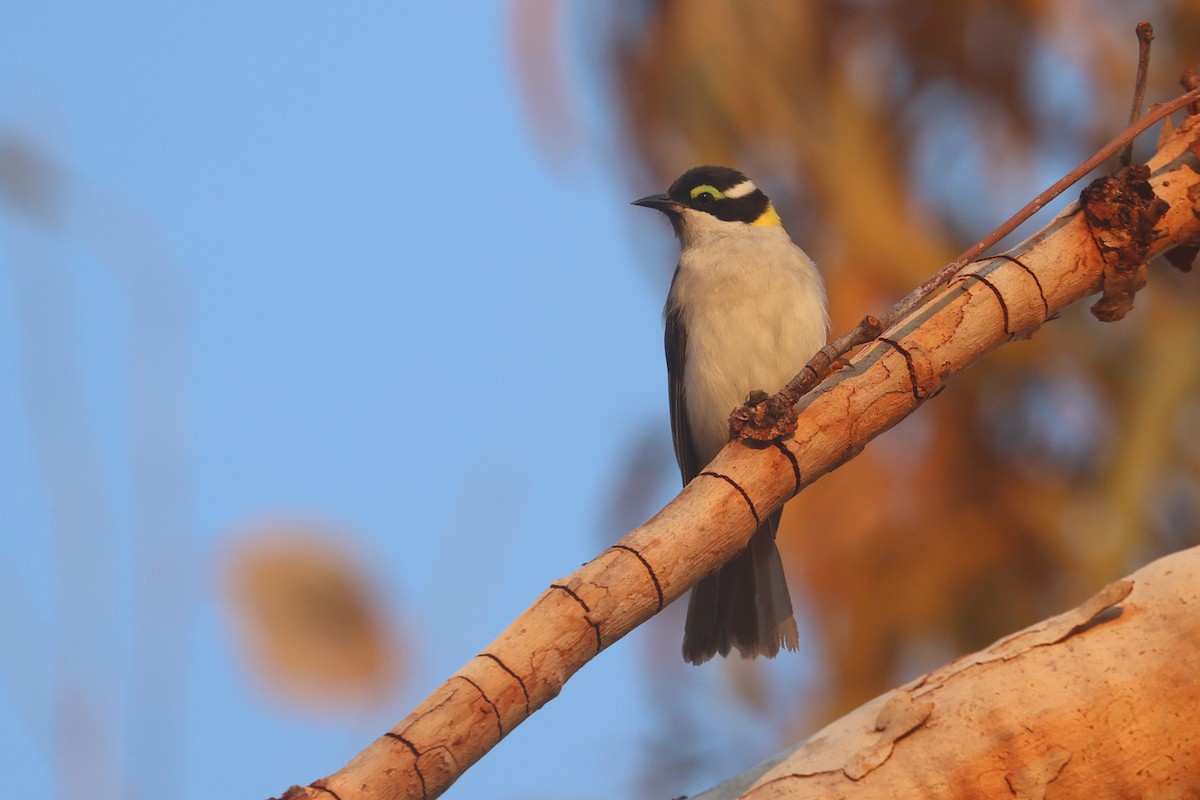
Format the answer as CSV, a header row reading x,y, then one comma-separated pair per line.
x,y
745,311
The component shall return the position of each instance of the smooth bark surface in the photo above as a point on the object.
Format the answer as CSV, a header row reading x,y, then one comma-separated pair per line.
x,y
1097,702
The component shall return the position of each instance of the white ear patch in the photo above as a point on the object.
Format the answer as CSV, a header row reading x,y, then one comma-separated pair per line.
x,y
741,190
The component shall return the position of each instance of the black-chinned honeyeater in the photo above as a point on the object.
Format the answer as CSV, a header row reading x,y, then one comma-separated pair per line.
x,y
745,311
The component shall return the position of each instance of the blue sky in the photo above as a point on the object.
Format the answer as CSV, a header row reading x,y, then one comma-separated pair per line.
x,y
395,318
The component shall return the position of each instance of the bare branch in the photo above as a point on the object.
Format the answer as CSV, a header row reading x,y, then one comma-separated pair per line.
x,y
998,300
1145,35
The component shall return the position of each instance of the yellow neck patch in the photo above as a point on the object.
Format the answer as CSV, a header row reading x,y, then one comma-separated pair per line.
x,y
768,217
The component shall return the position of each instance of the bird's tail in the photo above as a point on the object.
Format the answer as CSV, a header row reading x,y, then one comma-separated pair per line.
x,y
744,605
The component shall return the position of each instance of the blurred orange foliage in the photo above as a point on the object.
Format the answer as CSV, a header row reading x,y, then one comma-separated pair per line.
x,y
306,620
891,135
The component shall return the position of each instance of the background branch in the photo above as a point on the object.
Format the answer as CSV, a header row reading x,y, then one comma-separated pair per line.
x,y
1133,646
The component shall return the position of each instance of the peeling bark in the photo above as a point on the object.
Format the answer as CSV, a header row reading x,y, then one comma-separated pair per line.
x,y
1122,211
1097,702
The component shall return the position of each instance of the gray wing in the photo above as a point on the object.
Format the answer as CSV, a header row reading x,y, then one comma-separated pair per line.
x,y
676,346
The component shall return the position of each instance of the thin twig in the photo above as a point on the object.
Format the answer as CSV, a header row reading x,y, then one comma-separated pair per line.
x,y
1145,35
870,327
1190,79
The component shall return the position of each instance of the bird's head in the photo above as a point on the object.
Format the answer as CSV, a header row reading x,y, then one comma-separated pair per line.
x,y
712,201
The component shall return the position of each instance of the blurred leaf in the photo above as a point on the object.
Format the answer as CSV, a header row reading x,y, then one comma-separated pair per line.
x,y
306,620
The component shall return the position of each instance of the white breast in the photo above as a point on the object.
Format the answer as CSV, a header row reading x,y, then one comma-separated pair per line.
x,y
754,308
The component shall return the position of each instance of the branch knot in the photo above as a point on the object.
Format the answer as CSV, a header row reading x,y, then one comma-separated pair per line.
x,y
763,418
1122,211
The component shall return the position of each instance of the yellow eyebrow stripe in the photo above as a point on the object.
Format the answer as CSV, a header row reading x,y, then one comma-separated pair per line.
x,y
714,191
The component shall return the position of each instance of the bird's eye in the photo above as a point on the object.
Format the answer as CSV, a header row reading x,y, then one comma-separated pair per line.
x,y
705,199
